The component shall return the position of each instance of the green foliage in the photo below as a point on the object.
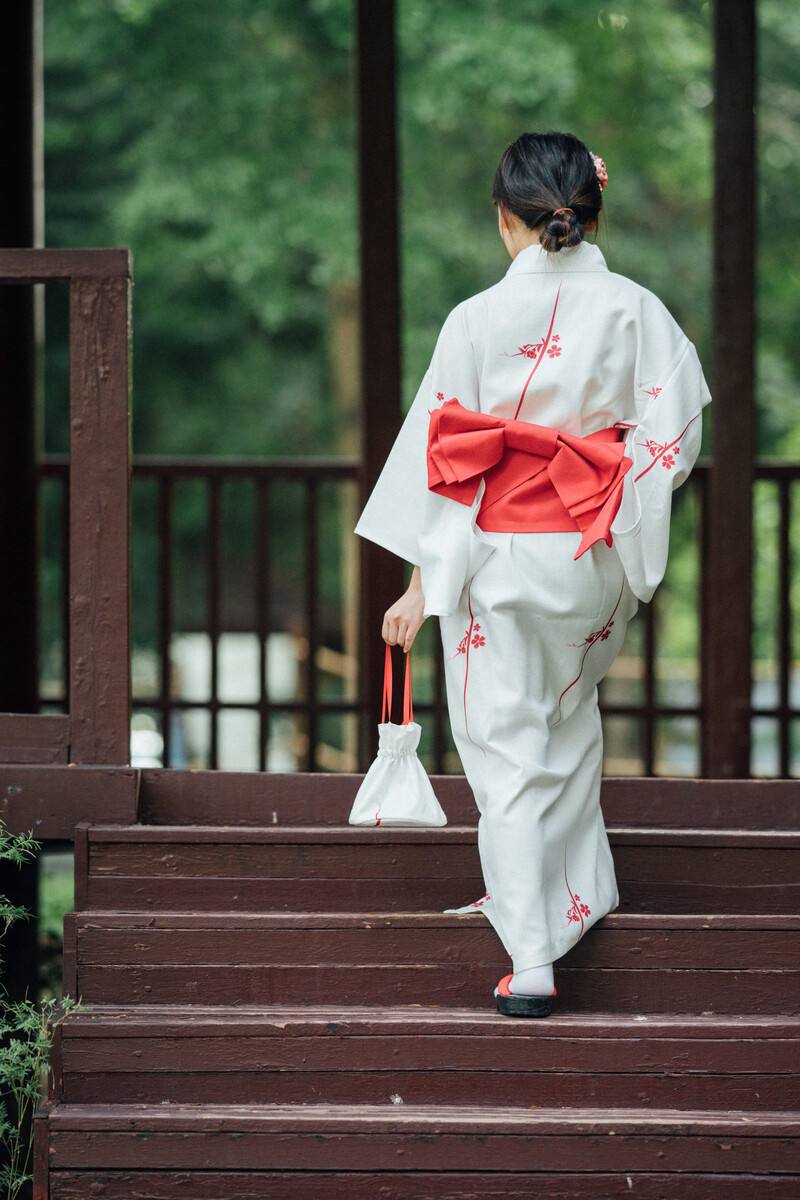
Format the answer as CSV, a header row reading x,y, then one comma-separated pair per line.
x,y
57,896
17,849
26,1036
216,141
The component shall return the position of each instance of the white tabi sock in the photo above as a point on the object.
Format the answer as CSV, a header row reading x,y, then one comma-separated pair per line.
x,y
534,981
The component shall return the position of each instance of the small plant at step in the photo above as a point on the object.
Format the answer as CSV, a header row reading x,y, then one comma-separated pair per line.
x,y
26,1036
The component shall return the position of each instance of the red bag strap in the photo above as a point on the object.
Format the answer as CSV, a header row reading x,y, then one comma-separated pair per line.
x,y
386,705
408,709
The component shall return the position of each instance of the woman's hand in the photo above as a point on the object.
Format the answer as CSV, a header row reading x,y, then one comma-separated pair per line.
x,y
403,620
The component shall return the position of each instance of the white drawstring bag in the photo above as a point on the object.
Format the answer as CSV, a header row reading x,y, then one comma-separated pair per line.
x,y
396,789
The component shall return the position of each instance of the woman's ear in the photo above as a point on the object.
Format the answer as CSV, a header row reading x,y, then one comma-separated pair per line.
x,y
501,221
503,228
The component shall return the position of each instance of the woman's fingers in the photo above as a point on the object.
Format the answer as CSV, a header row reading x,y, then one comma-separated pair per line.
x,y
411,634
394,630
402,621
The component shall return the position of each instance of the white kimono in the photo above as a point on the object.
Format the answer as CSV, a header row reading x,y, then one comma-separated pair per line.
x,y
527,629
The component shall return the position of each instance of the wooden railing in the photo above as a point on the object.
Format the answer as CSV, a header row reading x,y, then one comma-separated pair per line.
x,y
308,475
94,728
262,477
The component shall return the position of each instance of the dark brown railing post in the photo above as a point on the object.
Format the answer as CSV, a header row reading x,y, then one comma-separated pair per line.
x,y
727,572
381,574
100,465
95,729
20,73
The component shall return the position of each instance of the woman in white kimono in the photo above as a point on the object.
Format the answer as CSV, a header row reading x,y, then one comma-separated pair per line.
x,y
530,486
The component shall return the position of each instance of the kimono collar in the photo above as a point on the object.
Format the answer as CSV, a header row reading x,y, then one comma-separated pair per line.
x,y
583,257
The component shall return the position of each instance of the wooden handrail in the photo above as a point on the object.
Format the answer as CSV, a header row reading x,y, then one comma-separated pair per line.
x,y
99,507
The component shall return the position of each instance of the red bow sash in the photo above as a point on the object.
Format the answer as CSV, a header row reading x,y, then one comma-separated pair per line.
x,y
538,479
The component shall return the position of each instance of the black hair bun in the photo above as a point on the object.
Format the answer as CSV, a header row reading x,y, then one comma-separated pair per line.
x,y
560,229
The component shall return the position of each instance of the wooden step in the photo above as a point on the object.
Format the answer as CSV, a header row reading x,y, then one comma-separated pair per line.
x,y
348,1150
184,797
337,1055
347,869
417,1185
625,963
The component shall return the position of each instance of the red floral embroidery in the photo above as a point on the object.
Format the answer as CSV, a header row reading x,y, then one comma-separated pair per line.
x,y
529,350
440,395
660,449
652,391
472,637
598,635
548,345
578,909
537,349
668,450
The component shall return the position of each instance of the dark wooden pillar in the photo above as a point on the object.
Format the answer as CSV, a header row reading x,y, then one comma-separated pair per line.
x,y
20,89
729,540
18,528
381,573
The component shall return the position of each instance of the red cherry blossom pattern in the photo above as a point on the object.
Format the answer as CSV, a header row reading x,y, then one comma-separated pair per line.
x,y
578,908
547,346
598,635
662,451
472,637
537,349
529,350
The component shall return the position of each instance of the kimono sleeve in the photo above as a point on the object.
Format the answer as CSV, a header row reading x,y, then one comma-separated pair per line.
x,y
400,509
663,440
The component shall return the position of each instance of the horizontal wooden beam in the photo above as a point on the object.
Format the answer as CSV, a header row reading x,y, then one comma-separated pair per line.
x,y
41,266
177,797
34,738
52,800
198,466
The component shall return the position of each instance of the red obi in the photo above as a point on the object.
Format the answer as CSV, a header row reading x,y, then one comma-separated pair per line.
x,y
538,479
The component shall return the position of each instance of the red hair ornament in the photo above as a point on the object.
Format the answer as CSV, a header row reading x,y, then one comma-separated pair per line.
x,y
602,178
600,169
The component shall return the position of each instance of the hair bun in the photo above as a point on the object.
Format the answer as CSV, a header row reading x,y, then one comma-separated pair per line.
x,y
561,229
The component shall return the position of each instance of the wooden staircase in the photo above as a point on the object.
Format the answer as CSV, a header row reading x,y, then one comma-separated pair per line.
x,y
277,1007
